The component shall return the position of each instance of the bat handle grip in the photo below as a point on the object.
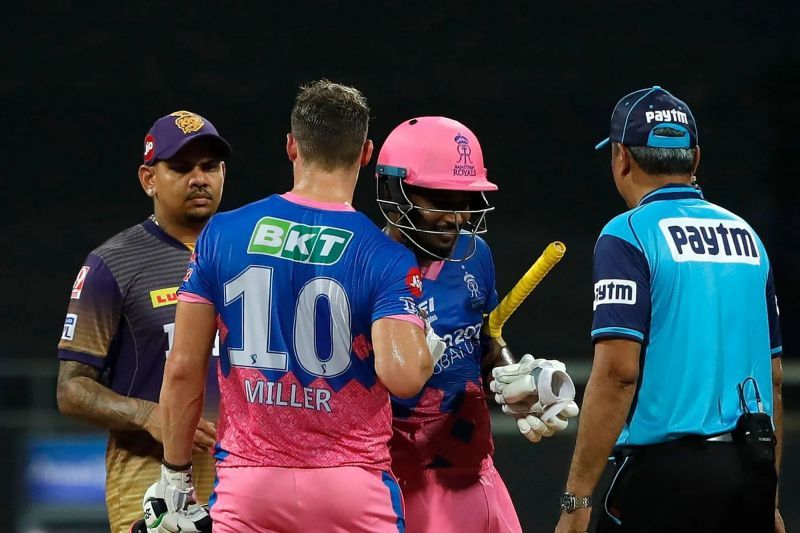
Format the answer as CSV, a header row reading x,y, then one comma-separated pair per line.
x,y
498,317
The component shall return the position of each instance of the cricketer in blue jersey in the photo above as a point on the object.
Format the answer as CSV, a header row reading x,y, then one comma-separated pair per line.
x,y
684,312
431,184
317,326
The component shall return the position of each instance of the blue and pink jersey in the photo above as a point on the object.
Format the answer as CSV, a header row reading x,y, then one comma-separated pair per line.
x,y
448,423
297,285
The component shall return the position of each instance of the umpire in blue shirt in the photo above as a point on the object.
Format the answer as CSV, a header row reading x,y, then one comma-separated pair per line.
x,y
684,313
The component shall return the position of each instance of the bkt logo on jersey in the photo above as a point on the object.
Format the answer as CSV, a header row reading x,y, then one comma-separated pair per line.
x,y
710,240
318,245
614,291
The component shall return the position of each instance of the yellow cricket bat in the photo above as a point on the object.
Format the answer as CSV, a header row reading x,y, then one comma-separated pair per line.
x,y
551,255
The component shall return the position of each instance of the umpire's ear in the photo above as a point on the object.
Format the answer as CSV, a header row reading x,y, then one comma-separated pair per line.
x,y
622,158
696,159
147,178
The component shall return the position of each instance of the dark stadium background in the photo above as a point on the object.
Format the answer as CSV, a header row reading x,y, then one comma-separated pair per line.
x,y
81,83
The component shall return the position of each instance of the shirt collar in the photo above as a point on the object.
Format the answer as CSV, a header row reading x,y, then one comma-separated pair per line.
x,y
672,191
159,233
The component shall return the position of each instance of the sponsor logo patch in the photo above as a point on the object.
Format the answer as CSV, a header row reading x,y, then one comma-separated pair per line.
x,y
614,291
414,282
69,327
149,148
316,245
162,297
666,115
710,240
428,309
77,287
410,306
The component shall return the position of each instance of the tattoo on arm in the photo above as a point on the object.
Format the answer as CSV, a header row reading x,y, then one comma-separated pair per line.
x,y
81,395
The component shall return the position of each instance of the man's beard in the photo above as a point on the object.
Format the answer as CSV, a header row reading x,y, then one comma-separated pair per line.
x,y
198,217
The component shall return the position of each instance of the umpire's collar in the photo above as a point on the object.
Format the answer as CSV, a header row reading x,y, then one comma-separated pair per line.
x,y
672,191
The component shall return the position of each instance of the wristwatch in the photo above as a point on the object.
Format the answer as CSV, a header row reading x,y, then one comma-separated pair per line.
x,y
570,502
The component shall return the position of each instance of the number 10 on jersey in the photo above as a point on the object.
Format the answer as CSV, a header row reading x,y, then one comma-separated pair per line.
x,y
253,290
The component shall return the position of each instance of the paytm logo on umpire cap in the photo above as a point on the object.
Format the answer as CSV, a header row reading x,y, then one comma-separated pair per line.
x,y
669,115
317,245
710,240
614,291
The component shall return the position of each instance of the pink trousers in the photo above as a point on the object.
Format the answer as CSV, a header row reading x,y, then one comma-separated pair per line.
x,y
288,500
457,500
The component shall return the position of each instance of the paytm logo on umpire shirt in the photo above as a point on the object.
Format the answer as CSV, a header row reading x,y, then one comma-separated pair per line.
x,y
710,240
318,245
614,291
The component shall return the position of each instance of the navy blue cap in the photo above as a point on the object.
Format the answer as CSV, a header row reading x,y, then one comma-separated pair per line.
x,y
638,114
172,132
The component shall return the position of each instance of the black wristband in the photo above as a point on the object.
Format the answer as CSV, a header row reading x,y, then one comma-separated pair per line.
x,y
177,468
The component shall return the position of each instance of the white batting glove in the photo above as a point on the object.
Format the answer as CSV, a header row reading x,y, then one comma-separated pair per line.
x,y
435,343
172,493
547,380
538,393
533,427
195,519
503,375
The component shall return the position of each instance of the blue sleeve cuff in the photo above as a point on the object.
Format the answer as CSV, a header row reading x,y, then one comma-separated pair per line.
x,y
95,361
617,333
777,351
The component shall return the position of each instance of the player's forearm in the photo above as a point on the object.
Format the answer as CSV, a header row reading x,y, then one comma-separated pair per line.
x,y
182,397
402,359
605,407
82,397
496,354
404,377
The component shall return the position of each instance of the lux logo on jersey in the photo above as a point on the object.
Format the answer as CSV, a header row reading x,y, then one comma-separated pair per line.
x,y
162,297
710,240
317,245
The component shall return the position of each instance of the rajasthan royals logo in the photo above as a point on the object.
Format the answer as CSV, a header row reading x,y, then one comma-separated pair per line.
x,y
464,165
463,149
474,289
187,121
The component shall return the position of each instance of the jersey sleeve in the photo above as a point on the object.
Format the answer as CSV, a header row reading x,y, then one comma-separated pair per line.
x,y
621,278
773,314
198,282
398,282
93,315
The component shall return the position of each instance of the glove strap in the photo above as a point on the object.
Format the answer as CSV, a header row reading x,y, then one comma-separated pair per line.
x,y
177,468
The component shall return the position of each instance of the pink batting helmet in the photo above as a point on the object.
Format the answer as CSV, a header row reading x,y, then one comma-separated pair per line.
x,y
435,153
